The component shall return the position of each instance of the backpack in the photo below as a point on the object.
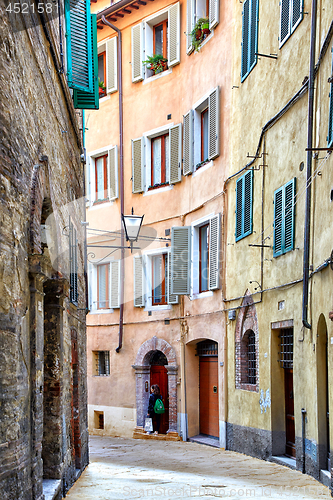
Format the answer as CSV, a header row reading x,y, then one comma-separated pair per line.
x,y
159,406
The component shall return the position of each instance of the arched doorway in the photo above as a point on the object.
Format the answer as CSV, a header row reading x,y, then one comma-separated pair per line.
x,y
322,392
159,376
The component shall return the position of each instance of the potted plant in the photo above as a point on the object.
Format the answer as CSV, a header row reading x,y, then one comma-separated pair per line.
x,y
199,32
156,63
101,88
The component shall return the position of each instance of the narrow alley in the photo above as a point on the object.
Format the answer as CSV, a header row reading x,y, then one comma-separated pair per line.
x,y
126,468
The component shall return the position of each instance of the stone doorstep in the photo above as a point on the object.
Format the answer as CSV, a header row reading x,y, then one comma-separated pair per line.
x,y
139,433
282,460
51,488
325,477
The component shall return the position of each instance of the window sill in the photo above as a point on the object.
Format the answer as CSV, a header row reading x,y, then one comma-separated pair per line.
x,y
105,98
159,75
248,387
166,307
202,168
101,311
158,189
202,295
97,205
102,375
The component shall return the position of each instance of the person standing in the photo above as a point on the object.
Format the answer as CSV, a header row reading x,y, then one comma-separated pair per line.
x,y
156,417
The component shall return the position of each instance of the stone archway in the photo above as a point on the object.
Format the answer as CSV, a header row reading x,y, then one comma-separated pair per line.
x,y
142,378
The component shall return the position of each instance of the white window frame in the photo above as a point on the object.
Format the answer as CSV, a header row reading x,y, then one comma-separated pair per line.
x,y
198,107
102,47
147,137
195,255
92,288
148,286
90,179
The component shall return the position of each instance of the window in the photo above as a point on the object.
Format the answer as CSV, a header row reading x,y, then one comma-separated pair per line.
x,y
107,66
284,216
201,136
249,363
102,74
244,205
103,286
200,9
160,160
101,363
203,257
73,263
291,16
330,119
249,36
152,286
158,34
102,175
98,420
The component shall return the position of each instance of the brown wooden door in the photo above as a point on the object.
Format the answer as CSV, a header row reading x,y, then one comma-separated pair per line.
x,y
290,418
159,376
208,396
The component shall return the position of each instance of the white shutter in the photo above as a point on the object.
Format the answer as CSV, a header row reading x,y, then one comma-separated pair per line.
x,y
139,297
89,173
180,260
113,173
111,66
174,35
214,124
172,298
91,288
214,252
137,53
189,26
115,283
214,13
188,143
175,153
137,165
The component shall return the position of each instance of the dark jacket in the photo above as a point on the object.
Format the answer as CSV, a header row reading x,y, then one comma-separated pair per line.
x,y
152,401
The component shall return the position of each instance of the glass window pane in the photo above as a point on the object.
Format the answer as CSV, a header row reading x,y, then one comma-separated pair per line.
x,y
204,258
100,179
102,287
157,279
101,68
167,166
159,39
205,135
157,161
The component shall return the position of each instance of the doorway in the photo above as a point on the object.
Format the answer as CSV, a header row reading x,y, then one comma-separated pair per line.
x,y
159,376
208,388
323,395
286,360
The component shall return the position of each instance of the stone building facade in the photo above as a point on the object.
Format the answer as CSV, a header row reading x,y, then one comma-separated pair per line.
x,y
43,419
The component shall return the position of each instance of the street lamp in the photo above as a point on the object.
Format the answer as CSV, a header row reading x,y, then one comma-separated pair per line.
x,y
132,225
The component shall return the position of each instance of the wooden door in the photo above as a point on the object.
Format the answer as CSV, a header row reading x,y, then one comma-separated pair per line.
x,y
159,376
208,396
290,417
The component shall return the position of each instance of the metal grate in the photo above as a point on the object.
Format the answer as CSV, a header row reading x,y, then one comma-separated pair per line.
x,y
286,348
251,359
207,348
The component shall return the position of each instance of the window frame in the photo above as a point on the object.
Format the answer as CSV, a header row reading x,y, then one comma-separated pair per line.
x,y
147,281
163,23
201,290
105,178
107,285
103,54
204,114
164,263
111,152
97,363
164,167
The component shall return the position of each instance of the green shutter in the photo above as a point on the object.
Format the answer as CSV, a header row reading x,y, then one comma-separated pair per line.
x,y
87,100
297,14
245,39
253,35
278,222
239,209
289,195
284,21
330,118
180,260
244,205
249,36
79,45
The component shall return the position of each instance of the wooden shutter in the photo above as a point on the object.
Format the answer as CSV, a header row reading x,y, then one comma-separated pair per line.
x,y
289,195
175,153
137,165
86,100
189,26
174,35
244,205
278,221
171,298
213,124
284,21
239,209
253,38
113,172
214,13
245,39
137,53
214,252
91,288
139,298
115,283
111,66
188,143
79,45
297,14
180,260
330,117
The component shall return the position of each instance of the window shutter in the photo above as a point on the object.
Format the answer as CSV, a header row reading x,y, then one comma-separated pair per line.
x,y
137,165
189,26
188,143
111,66
79,45
253,38
88,192
214,124
174,35
137,53
245,39
139,299
175,153
172,298
115,283
297,14
248,203
86,100
278,228
290,190
239,209
180,260
284,21
113,172
214,252
330,118
91,288
214,13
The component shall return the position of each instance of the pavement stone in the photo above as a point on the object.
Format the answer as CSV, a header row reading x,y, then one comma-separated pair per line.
x,y
122,469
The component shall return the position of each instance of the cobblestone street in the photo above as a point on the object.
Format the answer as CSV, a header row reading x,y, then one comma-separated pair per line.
x,y
130,469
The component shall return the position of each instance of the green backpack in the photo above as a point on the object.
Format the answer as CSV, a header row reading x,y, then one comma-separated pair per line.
x,y
159,406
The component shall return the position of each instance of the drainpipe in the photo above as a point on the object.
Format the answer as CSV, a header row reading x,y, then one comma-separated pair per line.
x,y
303,439
121,148
309,170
